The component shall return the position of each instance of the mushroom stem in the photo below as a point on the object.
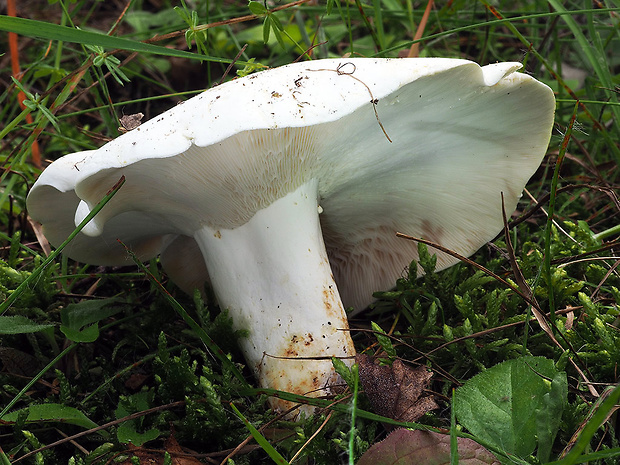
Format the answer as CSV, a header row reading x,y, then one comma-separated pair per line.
x,y
273,276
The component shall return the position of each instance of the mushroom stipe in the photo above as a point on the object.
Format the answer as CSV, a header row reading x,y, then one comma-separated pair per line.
x,y
283,190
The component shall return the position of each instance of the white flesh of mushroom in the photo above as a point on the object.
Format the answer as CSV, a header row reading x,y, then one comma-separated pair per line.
x,y
273,275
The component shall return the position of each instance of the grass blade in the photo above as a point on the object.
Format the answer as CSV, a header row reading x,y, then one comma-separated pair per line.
x,y
48,31
260,439
597,419
593,53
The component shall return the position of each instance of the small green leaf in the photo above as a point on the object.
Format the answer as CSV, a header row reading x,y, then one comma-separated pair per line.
x,y
266,29
87,334
54,413
79,321
427,261
384,340
329,6
277,27
21,87
48,114
275,23
130,431
413,271
257,8
344,371
249,68
126,433
510,404
549,416
99,452
4,460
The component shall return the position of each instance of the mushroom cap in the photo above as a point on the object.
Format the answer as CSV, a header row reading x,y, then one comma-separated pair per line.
x,y
461,135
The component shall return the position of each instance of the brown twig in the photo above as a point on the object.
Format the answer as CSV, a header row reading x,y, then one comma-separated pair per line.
x,y
240,19
232,63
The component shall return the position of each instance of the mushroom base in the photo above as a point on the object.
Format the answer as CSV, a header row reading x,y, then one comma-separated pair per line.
x,y
273,276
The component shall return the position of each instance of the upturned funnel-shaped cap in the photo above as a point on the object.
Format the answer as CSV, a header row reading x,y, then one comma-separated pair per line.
x,y
461,135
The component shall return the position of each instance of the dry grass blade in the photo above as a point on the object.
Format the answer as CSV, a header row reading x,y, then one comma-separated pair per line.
x,y
607,275
15,68
232,63
414,51
521,282
327,418
469,262
586,420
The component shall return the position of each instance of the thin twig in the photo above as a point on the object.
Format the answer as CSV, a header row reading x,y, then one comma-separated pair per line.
x,y
133,416
373,100
232,63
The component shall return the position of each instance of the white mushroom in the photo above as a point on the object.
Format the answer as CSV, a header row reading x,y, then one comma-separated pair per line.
x,y
284,177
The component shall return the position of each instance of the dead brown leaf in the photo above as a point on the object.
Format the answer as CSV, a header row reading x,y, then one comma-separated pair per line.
x,y
38,232
396,391
406,447
130,122
135,381
19,363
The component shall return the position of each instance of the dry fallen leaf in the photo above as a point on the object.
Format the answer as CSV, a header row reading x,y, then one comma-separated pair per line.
x,y
38,232
135,381
145,456
406,447
130,122
179,455
396,391
19,363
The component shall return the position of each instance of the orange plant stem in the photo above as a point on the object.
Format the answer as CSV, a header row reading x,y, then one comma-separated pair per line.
x,y
14,52
414,51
